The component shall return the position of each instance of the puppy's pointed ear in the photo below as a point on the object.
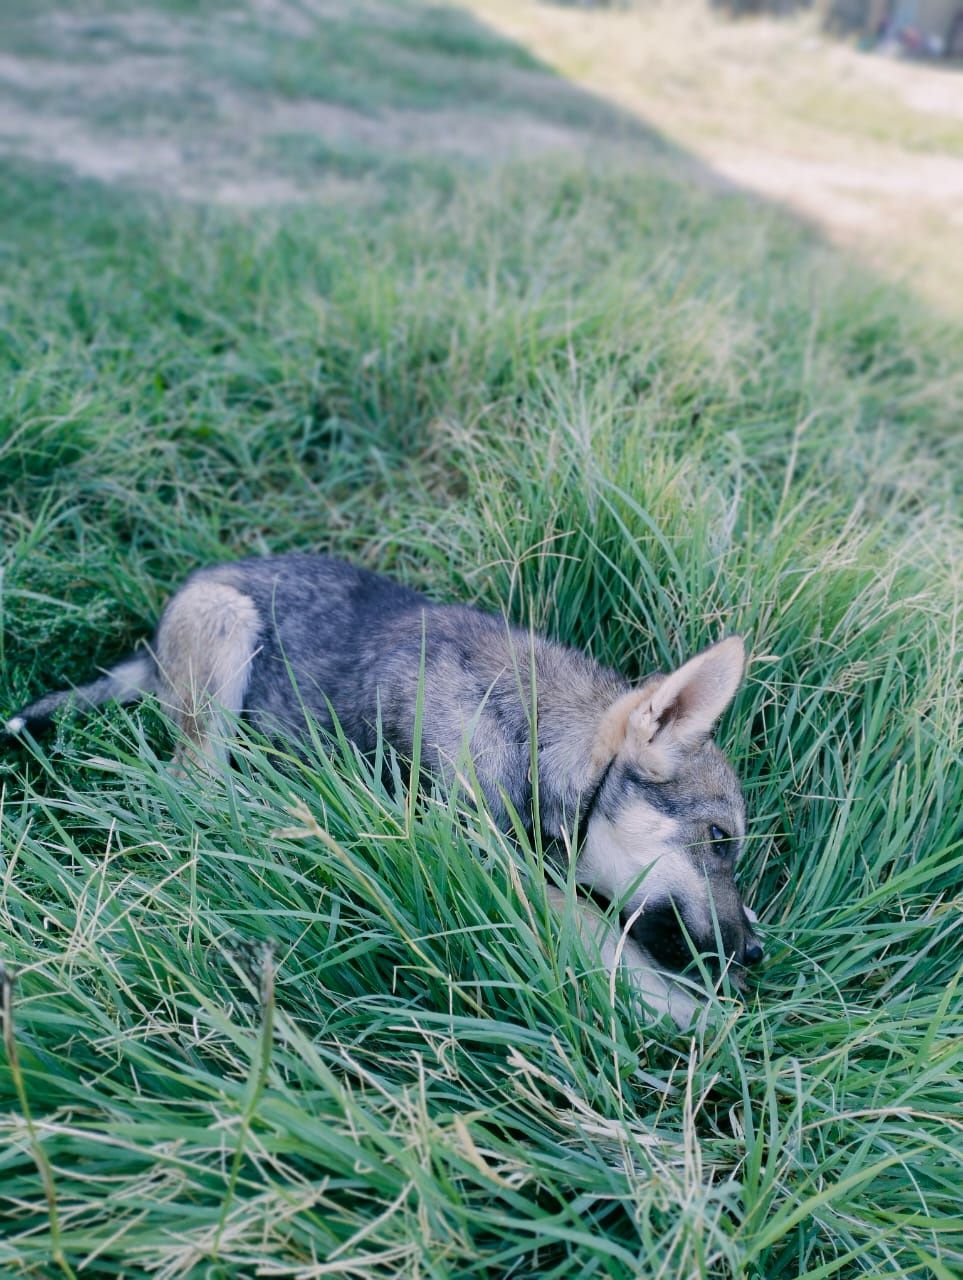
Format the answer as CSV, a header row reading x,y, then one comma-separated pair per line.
x,y
690,701
671,714
679,712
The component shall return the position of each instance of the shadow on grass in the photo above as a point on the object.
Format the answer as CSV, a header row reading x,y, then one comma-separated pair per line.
x,y
217,107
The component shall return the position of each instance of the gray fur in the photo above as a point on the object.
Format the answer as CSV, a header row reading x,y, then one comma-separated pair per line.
x,y
126,681
289,638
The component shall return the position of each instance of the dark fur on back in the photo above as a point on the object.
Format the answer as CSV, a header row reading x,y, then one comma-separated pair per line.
x,y
336,634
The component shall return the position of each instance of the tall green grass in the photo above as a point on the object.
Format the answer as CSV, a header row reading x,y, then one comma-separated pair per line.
x,y
301,1022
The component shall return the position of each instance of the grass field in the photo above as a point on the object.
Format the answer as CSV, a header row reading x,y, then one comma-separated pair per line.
x,y
375,279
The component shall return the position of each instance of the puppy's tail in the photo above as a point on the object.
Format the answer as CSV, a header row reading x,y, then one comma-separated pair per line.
x,y
128,681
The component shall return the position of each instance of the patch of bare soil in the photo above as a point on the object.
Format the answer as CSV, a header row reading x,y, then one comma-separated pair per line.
x,y
865,146
64,140
849,195
447,132
935,89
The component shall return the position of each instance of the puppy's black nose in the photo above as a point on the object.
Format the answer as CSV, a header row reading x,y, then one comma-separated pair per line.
x,y
752,952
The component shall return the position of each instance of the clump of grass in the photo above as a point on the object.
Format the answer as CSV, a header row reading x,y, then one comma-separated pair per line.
x,y
298,1018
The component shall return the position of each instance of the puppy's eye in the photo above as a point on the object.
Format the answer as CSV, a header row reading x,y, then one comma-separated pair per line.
x,y
721,839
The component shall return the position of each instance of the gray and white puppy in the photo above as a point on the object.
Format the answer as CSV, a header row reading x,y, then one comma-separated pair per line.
x,y
287,637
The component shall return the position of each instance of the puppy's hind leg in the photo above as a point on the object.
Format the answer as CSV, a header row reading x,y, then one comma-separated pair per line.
x,y
206,642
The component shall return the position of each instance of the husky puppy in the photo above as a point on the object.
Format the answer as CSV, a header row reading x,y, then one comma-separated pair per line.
x,y
633,768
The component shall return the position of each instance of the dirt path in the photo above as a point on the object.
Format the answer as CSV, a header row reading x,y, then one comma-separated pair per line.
x,y
868,147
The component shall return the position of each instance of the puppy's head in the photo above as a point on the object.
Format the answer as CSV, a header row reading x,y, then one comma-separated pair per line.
x,y
668,821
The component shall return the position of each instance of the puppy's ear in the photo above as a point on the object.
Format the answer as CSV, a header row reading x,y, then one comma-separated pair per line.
x,y
689,701
679,712
671,714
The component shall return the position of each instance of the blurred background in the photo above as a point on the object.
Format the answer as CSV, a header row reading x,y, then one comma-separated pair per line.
x,y
849,112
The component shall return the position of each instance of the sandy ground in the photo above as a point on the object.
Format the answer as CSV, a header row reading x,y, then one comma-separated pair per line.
x,y
867,146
